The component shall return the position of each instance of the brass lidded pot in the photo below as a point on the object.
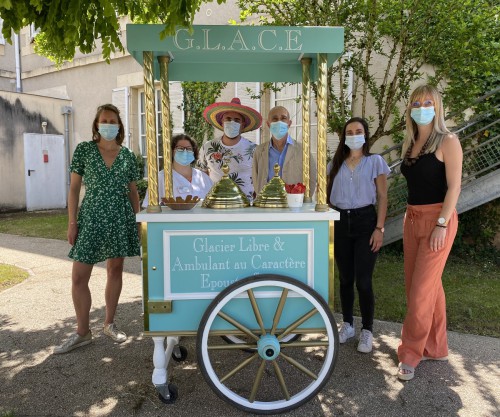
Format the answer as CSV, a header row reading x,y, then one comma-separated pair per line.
x,y
273,195
225,194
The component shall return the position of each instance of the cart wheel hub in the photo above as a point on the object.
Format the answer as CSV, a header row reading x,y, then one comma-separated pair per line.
x,y
268,347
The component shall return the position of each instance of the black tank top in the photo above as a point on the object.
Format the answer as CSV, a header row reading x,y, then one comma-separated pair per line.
x,y
426,180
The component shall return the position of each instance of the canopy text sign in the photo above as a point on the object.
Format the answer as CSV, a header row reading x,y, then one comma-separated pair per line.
x,y
236,53
264,40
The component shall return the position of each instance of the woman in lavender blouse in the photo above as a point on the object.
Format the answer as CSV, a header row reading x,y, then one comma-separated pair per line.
x,y
357,183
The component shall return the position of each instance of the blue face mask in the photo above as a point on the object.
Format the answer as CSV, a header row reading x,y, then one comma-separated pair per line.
x,y
184,157
355,141
423,115
278,129
231,129
108,131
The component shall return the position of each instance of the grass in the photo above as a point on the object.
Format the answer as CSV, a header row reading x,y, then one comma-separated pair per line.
x,y
51,224
11,275
472,292
472,287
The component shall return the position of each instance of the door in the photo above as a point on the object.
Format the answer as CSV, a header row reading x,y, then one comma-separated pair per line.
x,y
45,171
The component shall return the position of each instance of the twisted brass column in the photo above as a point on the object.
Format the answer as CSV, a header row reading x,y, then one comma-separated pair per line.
x,y
321,204
151,148
165,124
306,127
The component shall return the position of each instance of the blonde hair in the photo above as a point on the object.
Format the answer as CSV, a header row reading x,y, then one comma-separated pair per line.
x,y
439,129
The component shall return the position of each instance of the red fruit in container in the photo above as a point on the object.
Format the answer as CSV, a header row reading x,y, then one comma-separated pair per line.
x,y
298,188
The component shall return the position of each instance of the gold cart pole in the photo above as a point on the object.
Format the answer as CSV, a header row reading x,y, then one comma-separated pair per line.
x,y
306,127
322,112
165,124
151,149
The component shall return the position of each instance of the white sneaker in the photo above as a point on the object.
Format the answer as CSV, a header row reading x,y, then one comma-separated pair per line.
x,y
365,341
112,331
346,332
73,342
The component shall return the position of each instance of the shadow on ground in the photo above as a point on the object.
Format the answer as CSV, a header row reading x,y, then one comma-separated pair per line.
x,y
107,379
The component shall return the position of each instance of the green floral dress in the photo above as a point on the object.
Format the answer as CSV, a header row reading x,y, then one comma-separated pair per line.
x,y
106,220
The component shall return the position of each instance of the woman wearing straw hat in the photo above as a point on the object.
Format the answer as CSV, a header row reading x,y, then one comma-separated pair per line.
x,y
232,149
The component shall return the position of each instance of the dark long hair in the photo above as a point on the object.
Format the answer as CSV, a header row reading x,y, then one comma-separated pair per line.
x,y
95,125
343,152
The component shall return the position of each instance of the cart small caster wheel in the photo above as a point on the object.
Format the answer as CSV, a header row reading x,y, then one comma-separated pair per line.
x,y
174,394
179,354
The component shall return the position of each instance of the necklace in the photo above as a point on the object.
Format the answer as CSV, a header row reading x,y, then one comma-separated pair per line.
x,y
412,161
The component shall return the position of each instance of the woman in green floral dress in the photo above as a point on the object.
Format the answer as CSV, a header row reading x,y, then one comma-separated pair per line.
x,y
105,228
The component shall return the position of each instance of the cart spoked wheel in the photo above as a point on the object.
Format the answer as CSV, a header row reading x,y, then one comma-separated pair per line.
x,y
264,310
292,337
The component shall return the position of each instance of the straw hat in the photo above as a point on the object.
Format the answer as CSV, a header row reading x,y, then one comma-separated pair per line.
x,y
214,113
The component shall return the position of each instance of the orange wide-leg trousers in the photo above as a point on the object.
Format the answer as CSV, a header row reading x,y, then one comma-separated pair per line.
x,y
424,328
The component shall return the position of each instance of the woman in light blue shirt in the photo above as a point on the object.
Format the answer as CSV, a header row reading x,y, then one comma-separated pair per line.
x,y
357,183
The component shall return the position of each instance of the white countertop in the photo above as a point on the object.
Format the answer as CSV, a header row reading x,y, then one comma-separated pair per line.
x,y
247,214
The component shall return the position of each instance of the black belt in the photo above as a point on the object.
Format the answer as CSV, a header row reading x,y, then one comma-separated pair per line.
x,y
357,211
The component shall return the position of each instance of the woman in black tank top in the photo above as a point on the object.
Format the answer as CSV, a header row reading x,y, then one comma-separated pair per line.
x,y
432,166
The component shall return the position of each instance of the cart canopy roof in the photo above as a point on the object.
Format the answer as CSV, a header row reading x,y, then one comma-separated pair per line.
x,y
236,53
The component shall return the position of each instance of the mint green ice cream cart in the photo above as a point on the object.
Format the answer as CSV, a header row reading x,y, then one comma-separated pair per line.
x,y
253,285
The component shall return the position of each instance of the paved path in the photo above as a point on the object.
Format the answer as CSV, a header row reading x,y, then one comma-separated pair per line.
x,y
105,379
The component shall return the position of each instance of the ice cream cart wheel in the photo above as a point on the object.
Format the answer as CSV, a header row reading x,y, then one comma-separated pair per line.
x,y
179,354
292,337
174,394
264,309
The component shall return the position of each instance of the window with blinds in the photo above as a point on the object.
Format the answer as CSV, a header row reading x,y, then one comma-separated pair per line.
x,y
176,114
244,91
289,96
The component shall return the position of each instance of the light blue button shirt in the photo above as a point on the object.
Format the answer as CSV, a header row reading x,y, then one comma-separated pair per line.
x,y
277,157
355,189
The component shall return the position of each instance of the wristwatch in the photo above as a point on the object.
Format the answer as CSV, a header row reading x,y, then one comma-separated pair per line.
x,y
381,229
441,221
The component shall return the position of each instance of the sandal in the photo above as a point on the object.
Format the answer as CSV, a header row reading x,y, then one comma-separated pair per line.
x,y
405,372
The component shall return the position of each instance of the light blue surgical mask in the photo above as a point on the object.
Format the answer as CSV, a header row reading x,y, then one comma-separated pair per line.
x,y
278,129
355,141
108,131
232,129
423,115
184,157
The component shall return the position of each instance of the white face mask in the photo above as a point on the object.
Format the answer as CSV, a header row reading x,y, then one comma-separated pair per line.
x,y
108,131
232,129
423,115
355,142
278,129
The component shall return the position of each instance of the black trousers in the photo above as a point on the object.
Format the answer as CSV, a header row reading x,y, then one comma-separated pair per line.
x,y
356,261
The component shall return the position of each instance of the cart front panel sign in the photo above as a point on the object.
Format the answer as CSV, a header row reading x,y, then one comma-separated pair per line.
x,y
198,264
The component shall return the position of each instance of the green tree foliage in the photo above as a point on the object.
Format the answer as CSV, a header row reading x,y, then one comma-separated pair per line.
x,y
197,96
392,44
66,25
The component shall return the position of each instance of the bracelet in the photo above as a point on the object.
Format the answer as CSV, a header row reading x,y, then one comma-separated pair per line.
x,y
442,226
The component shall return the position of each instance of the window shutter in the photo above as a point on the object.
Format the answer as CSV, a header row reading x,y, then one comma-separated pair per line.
x,y
120,99
176,97
2,40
